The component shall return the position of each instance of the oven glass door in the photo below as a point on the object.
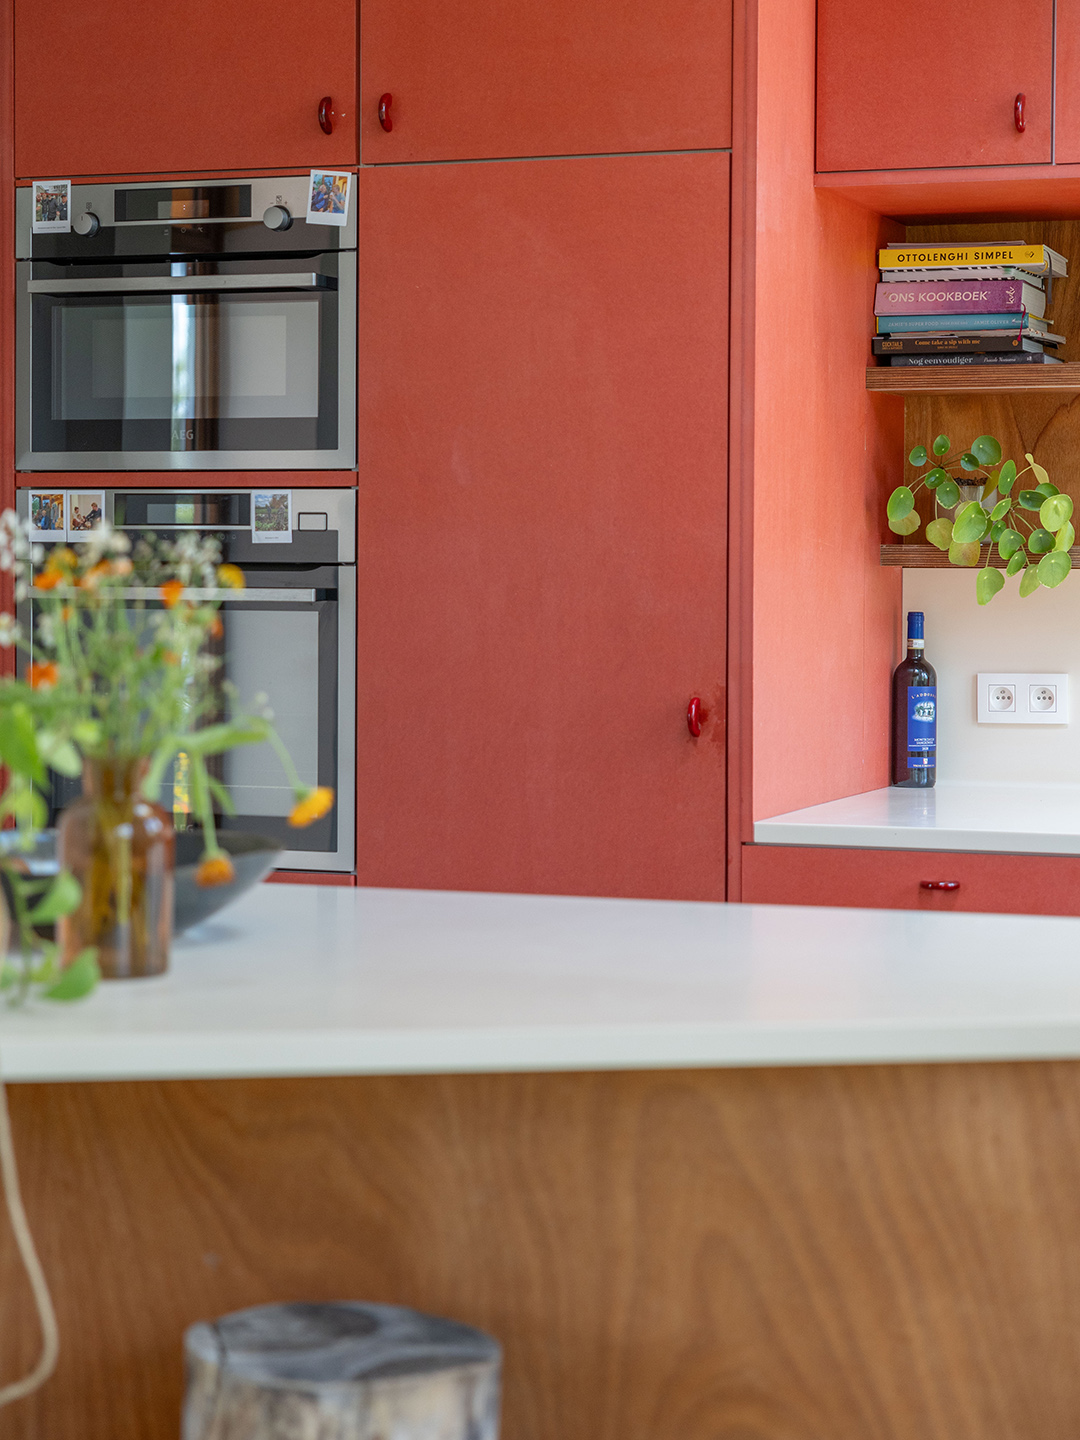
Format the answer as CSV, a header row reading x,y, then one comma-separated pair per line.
x,y
185,373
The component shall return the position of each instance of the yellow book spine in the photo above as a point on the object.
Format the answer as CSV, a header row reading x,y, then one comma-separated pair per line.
x,y
969,255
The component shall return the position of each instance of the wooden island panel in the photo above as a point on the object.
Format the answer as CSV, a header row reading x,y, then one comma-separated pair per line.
x,y
842,1252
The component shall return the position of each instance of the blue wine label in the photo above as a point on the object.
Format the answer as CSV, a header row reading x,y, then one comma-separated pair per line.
x,y
921,726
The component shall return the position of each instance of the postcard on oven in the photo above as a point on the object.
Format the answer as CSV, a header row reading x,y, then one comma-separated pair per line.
x,y
85,511
48,515
271,517
328,197
50,206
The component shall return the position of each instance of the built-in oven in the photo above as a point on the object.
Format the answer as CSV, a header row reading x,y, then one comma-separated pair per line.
x,y
203,326
288,641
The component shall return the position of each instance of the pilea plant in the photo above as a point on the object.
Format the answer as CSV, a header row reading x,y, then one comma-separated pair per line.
x,y
1031,528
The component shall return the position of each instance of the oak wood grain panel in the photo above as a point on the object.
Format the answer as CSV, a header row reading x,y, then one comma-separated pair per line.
x,y
886,1252
972,379
929,557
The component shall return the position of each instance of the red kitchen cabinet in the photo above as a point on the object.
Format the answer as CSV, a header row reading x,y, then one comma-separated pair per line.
x,y
900,879
933,83
1067,57
541,510
121,87
473,79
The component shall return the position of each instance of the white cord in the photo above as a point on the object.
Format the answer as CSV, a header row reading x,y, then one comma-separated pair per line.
x,y
50,1334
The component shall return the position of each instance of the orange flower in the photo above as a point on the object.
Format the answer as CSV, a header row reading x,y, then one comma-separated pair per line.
x,y
217,630
43,677
65,613
313,806
170,657
231,577
215,870
94,574
171,592
48,580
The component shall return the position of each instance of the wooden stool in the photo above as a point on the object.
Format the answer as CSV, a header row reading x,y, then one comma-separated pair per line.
x,y
341,1371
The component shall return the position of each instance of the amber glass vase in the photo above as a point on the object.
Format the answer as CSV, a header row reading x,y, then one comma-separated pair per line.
x,y
120,847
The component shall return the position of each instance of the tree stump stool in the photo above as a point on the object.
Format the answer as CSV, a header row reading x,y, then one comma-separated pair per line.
x,y
343,1371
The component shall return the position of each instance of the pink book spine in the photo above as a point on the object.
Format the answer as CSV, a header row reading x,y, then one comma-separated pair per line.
x,y
949,297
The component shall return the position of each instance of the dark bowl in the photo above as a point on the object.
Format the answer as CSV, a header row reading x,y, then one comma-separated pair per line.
x,y
253,857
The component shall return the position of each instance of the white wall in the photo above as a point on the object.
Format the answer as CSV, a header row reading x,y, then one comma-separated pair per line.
x,y
1041,633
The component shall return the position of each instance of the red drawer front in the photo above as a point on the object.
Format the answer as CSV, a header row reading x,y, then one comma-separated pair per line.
x,y
911,879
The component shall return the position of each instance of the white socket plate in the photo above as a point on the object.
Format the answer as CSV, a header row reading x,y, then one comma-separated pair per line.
x,y
1022,712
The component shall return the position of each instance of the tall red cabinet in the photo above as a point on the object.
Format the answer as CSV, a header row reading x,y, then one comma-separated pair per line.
x,y
542,525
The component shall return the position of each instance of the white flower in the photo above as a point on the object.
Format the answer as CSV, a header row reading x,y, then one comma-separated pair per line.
x,y
105,541
9,631
46,631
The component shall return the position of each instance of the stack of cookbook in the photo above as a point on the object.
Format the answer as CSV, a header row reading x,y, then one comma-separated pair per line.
x,y
967,304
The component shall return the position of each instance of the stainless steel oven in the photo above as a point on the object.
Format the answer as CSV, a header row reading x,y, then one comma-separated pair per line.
x,y
204,326
290,636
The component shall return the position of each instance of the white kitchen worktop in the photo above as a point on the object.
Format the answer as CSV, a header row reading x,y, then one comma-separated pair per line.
x,y
1015,818
298,980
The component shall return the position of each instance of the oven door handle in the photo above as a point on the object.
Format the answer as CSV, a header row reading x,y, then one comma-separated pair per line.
x,y
268,596
182,284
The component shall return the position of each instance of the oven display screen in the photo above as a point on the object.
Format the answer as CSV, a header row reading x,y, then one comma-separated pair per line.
x,y
184,202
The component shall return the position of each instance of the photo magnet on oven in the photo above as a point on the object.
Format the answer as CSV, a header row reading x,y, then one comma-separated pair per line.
x,y
271,517
48,515
50,207
328,197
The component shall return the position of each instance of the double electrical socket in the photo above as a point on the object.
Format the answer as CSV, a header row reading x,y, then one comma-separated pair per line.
x,y
1023,699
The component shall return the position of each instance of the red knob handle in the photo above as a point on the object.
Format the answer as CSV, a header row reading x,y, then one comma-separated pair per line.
x,y
1018,112
385,101
326,115
940,884
696,715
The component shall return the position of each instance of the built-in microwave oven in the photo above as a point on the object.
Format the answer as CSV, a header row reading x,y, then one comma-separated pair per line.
x,y
208,325
288,640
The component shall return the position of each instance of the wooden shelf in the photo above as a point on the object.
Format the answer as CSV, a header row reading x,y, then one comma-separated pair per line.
x,y
929,557
972,379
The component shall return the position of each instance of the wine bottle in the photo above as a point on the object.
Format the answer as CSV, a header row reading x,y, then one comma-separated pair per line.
x,y
914,713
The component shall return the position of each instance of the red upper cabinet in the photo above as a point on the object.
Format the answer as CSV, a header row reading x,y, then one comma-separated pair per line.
x,y
1067,136
124,87
542,519
474,79
910,83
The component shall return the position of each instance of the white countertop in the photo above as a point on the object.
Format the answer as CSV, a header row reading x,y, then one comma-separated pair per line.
x,y
954,815
299,980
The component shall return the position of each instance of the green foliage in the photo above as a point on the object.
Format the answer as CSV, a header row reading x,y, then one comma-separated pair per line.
x,y
1031,527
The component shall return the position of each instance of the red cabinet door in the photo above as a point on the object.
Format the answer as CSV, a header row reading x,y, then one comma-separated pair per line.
x,y
933,82
1067,59
902,879
122,87
480,78
542,525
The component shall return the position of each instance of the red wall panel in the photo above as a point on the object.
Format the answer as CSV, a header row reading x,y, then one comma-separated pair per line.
x,y
542,514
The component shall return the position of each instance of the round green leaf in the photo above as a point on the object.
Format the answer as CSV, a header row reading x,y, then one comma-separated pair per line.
x,y
964,554
997,529
1029,581
970,525
918,456
948,493
986,450
1007,476
941,445
939,533
1040,542
1053,568
1000,510
1016,563
968,461
1031,499
934,478
1054,511
1046,489
1040,474
1066,537
907,525
988,584
901,503
1009,542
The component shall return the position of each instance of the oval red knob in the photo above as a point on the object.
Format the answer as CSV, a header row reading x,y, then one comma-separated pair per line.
x,y
940,884
326,115
696,715
385,101
1018,112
